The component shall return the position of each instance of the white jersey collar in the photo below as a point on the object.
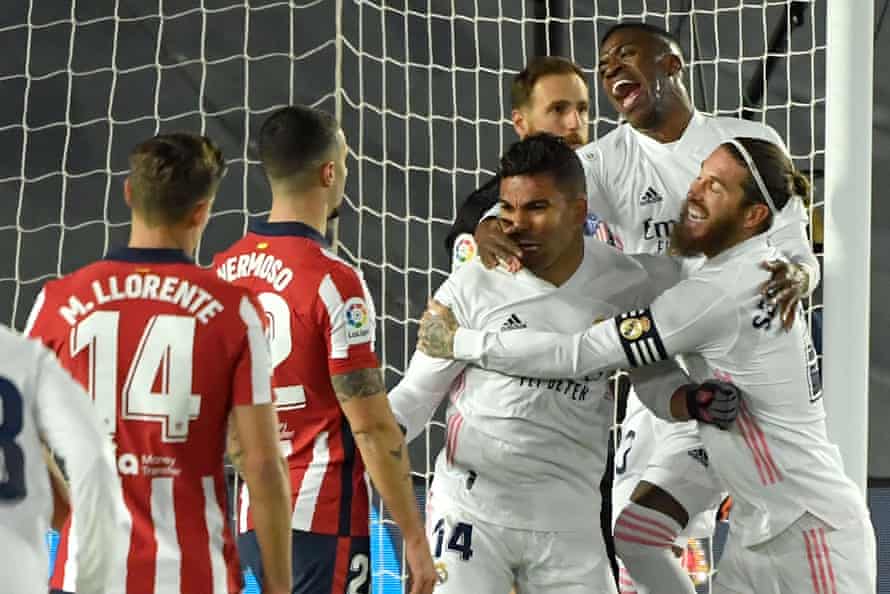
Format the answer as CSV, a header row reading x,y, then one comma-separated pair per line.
x,y
695,122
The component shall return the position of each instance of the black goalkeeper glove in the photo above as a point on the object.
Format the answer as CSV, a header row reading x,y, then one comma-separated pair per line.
x,y
713,402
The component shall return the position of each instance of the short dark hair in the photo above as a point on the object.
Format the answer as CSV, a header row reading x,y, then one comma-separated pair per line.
x,y
663,34
537,67
782,179
545,154
171,173
295,138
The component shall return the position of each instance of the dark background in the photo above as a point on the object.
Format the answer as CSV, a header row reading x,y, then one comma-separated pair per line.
x,y
423,105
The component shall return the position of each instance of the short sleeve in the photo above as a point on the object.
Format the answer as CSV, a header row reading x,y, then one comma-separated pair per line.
x,y
348,315
252,381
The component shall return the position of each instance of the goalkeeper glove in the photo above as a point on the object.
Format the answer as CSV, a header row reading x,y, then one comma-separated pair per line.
x,y
713,402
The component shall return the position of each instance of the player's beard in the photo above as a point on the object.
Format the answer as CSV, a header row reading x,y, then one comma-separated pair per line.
x,y
720,235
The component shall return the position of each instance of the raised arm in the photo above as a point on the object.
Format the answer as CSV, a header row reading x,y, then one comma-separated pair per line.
x,y
68,424
690,317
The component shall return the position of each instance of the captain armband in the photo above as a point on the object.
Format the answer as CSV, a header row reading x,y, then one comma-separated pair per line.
x,y
639,338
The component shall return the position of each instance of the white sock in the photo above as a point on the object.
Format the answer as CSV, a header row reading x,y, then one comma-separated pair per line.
x,y
643,540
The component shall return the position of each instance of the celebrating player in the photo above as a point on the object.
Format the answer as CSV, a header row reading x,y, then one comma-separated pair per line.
x,y
516,492
637,176
549,95
167,351
799,523
334,413
41,403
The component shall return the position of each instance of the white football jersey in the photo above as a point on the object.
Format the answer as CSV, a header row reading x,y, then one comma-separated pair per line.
x,y
40,401
521,452
776,459
637,185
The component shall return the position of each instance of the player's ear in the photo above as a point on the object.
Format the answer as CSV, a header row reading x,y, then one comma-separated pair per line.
x,y
580,208
519,123
128,192
327,174
673,64
755,215
200,214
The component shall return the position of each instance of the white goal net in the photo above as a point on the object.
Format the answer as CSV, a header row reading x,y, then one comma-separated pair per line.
x,y
422,92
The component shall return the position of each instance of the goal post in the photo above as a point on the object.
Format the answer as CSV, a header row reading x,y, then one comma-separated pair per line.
x,y
848,195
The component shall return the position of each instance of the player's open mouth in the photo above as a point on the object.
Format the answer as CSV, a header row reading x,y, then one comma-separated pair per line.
x,y
626,93
695,214
529,246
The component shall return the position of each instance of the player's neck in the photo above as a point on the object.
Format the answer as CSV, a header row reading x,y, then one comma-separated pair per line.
x,y
308,209
675,122
563,269
161,236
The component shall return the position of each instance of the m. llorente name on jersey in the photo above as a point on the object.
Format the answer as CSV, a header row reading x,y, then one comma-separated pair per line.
x,y
659,232
573,389
188,296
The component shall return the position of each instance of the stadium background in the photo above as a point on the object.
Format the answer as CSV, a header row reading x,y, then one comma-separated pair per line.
x,y
421,89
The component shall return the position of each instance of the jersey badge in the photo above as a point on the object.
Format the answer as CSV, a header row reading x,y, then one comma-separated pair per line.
x,y
262,245
441,572
358,325
700,456
639,338
464,250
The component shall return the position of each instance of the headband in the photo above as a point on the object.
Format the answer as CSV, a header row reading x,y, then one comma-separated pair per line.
x,y
755,174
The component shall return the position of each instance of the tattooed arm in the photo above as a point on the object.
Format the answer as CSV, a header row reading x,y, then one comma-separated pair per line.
x,y
362,397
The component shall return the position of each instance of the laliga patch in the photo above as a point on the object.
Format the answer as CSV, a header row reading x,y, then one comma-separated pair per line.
x,y
358,321
464,250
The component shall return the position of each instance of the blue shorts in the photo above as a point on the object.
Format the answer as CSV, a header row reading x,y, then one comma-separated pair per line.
x,y
322,563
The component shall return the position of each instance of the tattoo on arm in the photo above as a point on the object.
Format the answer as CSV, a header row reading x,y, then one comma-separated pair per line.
x,y
357,384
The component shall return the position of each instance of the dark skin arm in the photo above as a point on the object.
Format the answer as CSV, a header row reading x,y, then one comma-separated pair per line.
x,y
495,246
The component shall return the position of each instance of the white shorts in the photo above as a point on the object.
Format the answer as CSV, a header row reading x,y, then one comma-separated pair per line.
x,y
808,557
472,555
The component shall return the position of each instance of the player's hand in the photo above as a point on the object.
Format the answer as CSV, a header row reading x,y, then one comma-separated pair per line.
x,y
422,574
495,246
788,284
438,327
713,402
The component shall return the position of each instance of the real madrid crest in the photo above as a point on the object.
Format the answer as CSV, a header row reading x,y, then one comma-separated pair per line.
x,y
633,328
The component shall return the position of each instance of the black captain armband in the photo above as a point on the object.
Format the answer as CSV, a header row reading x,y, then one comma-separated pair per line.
x,y
639,338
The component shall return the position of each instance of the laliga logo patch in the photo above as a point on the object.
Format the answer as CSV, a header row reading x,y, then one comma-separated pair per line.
x,y
464,250
633,328
358,323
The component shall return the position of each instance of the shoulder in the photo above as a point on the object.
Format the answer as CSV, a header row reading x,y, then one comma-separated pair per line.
x,y
614,142
734,127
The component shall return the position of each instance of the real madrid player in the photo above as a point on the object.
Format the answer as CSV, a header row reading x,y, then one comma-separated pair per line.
x,y
334,416
800,525
637,177
516,489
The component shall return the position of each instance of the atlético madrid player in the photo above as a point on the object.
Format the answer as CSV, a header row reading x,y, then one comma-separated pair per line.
x,y
168,352
334,415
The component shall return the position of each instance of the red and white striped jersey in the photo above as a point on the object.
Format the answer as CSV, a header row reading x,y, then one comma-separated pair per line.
x,y
166,350
320,320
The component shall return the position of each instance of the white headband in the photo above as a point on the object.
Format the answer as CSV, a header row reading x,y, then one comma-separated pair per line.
x,y
755,174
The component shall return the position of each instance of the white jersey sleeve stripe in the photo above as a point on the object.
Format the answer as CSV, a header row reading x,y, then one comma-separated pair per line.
x,y
260,360
168,559
333,303
245,507
310,488
215,527
35,312
70,582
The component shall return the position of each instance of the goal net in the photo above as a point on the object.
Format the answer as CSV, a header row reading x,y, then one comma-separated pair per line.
x,y
421,90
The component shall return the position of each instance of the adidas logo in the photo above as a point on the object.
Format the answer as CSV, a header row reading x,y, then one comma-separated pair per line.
x,y
513,323
650,196
700,455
